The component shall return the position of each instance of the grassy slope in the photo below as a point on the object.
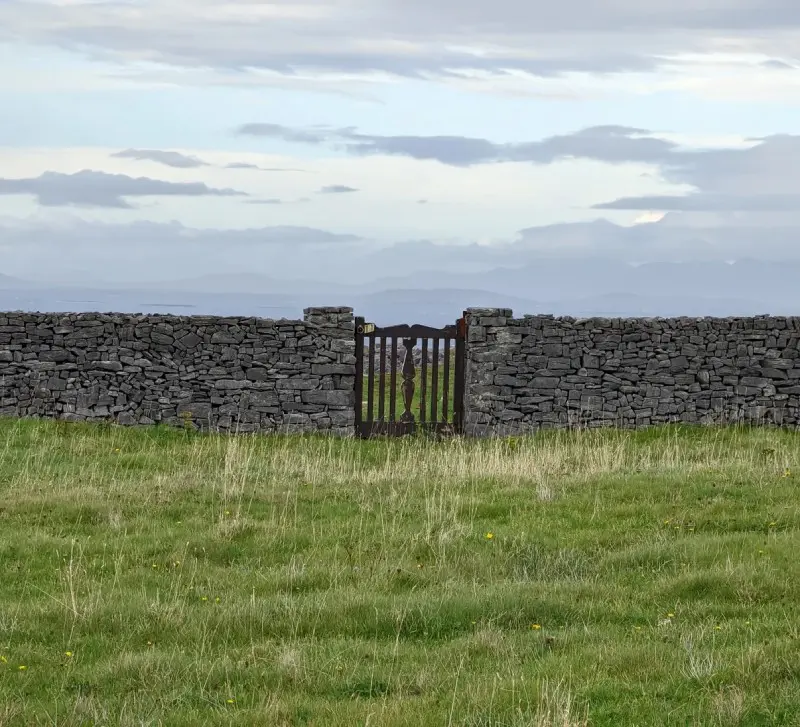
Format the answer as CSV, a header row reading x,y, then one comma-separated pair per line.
x,y
415,400
275,581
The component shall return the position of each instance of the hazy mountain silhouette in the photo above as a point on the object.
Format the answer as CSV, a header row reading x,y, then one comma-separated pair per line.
x,y
7,282
433,307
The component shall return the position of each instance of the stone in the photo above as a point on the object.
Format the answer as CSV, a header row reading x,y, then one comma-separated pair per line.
x,y
544,382
345,369
190,340
56,355
194,410
632,372
258,374
331,398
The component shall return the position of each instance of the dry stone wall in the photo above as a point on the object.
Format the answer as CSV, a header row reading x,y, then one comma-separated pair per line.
x,y
537,372
228,374
522,374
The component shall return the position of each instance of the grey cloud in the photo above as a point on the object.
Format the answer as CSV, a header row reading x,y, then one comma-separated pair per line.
x,y
282,235
707,203
575,35
241,165
768,167
89,188
758,178
336,189
176,160
776,64
168,158
255,167
586,16
263,201
603,143
754,178
286,133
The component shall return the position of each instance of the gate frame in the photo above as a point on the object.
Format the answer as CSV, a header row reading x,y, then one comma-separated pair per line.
x,y
407,423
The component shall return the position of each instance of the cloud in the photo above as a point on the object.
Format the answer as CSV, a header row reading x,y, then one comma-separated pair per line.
x,y
701,202
168,158
411,38
301,136
176,160
336,189
89,188
759,178
255,167
276,201
612,144
778,65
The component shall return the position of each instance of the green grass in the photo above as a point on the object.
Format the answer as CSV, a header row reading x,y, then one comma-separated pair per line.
x,y
205,580
416,399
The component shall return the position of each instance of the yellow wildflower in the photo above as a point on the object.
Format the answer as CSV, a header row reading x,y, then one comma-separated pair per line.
x,y
67,653
489,536
22,667
3,659
231,700
536,627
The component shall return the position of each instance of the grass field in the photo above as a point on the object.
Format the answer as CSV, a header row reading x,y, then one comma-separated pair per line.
x,y
152,577
417,396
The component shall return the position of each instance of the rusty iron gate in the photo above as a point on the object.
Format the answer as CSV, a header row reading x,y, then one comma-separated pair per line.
x,y
432,369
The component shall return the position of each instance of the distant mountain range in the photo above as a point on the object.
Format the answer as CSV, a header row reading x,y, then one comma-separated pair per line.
x,y
269,298
9,283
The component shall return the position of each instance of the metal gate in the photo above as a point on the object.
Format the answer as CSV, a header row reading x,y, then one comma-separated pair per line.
x,y
423,392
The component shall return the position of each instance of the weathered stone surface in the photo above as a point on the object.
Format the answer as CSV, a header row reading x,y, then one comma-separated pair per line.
x,y
331,398
138,370
567,372
195,410
538,372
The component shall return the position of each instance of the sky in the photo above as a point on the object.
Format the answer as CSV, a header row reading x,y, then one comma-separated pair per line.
x,y
157,140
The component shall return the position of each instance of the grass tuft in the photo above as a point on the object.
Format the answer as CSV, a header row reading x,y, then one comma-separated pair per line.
x,y
603,578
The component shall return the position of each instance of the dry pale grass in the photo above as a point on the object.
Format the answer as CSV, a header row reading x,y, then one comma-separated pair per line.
x,y
570,579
